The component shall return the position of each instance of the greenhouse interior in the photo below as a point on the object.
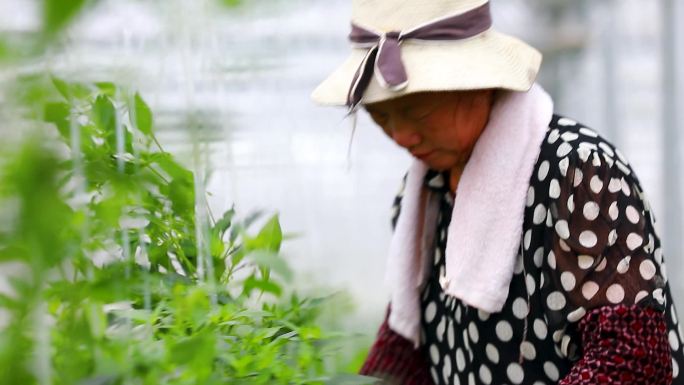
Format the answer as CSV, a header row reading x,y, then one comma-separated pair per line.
x,y
175,209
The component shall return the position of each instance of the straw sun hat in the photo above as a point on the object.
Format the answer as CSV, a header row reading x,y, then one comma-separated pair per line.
x,y
405,46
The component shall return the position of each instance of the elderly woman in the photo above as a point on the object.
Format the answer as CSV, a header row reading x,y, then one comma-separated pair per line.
x,y
524,249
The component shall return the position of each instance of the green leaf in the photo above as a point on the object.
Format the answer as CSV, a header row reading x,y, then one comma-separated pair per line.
x,y
58,13
107,88
266,286
62,87
58,114
224,223
271,261
104,115
143,115
270,236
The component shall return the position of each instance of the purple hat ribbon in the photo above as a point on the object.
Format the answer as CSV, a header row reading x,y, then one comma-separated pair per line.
x,y
384,55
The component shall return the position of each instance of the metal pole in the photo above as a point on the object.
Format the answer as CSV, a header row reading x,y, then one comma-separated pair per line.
x,y
610,93
672,225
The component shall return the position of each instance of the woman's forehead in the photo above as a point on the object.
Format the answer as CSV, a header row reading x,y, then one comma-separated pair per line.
x,y
421,98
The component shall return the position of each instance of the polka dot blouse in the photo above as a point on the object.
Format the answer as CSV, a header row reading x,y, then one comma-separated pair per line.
x,y
589,301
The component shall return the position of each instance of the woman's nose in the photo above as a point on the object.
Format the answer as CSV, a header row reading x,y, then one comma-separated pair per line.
x,y
404,134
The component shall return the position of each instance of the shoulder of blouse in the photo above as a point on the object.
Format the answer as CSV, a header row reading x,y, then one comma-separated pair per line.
x,y
571,143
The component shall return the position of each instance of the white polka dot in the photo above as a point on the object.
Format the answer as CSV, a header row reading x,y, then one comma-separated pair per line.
x,y
554,189
543,170
440,329
519,308
566,122
563,166
557,335
614,185
504,331
632,214
485,375
651,244
553,136
634,240
563,150
621,156
471,378
647,269
625,187
551,259
492,353
482,315
591,210
615,293
551,371
673,313
528,351
659,296
433,373
588,132
562,229
460,360
588,239
515,373
674,341
564,246
613,211
527,239
567,280
539,214
530,283
540,329
555,300
446,370
450,334
606,148
609,161
602,265
596,184
473,332
612,237
658,254
675,368
589,289
569,136
577,179
530,197
640,295
576,314
571,203
585,261
430,311
434,354
518,268
565,343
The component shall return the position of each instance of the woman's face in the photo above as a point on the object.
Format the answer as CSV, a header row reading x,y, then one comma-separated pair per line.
x,y
439,128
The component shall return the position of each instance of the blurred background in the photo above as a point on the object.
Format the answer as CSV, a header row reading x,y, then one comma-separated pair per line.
x,y
244,74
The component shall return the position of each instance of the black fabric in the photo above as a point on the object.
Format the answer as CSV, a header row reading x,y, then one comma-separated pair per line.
x,y
588,242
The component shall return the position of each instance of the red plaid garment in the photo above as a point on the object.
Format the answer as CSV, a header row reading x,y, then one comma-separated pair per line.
x,y
622,345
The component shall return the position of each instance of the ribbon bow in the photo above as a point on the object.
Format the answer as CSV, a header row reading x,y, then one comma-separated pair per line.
x,y
384,55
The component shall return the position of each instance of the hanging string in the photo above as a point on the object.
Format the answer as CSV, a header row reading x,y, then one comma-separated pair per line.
x,y
353,119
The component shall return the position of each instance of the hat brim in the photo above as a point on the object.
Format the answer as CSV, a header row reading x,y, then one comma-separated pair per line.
x,y
488,60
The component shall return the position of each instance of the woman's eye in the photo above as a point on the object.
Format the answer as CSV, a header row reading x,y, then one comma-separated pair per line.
x,y
419,113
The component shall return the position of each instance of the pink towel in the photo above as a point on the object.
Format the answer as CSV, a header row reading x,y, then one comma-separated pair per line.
x,y
485,231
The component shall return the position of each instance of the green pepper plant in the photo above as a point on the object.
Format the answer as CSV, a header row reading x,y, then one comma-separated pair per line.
x,y
113,274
